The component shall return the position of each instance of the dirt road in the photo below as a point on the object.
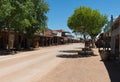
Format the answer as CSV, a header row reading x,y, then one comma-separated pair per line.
x,y
34,65
83,69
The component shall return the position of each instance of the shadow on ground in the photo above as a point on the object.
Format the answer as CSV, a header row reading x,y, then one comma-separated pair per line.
x,y
72,56
6,52
76,54
112,66
13,52
79,48
70,51
113,69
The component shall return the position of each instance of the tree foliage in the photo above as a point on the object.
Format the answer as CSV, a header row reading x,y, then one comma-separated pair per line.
x,y
23,15
87,21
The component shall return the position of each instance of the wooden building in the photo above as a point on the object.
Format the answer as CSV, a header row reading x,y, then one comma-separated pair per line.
x,y
52,37
17,41
115,38
7,39
12,40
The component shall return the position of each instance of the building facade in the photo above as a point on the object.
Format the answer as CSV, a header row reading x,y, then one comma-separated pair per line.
x,y
115,38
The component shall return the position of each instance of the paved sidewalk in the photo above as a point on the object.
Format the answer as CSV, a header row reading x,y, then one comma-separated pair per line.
x,y
79,69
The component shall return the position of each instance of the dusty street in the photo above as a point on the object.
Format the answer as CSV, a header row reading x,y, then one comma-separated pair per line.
x,y
53,64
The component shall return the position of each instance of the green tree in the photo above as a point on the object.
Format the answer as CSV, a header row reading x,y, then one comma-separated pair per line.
x,y
41,8
87,21
5,12
27,16
19,15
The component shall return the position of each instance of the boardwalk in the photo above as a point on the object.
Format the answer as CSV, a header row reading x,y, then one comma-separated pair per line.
x,y
57,64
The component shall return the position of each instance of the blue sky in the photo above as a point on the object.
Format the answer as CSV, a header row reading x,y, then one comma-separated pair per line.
x,y
60,10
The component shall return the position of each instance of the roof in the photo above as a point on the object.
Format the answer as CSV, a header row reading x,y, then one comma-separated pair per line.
x,y
116,22
61,31
48,32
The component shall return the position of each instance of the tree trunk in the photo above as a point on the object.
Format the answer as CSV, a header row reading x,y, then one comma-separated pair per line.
x,y
84,49
29,42
84,40
93,43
